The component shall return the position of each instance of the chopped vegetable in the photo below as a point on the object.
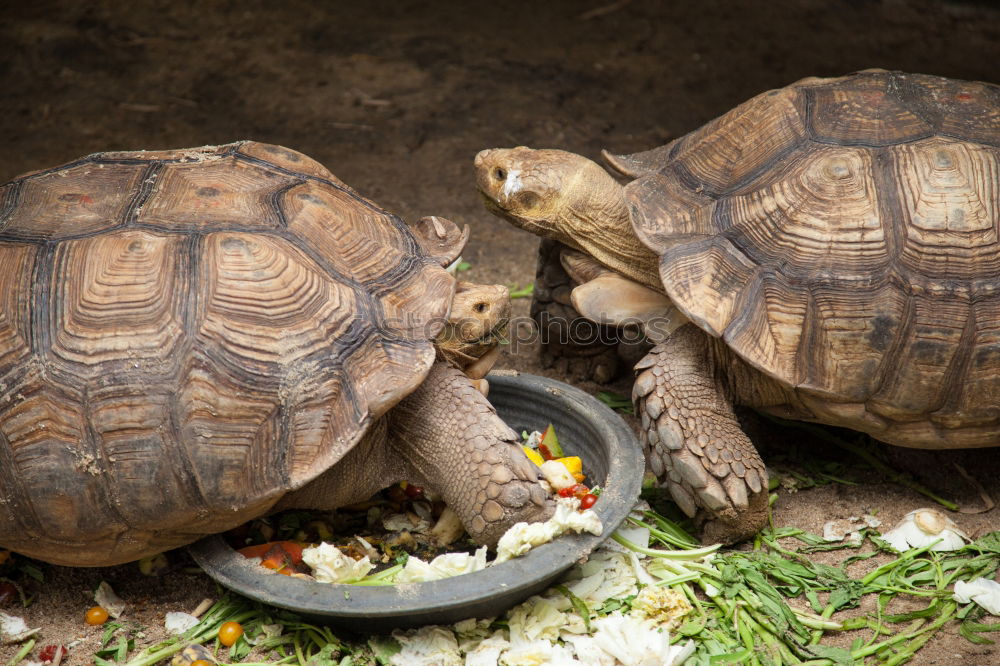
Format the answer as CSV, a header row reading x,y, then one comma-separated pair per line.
x,y
177,623
229,633
153,565
448,528
533,455
291,548
442,566
523,292
616,401
522,537
983,591
412,491
14,629
587,501
106,598
330,565
548,446
926,527
48,653
557,475
96,615
574,465
283,557
577,490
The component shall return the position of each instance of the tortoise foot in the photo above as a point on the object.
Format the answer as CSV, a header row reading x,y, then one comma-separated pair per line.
x,y
694,443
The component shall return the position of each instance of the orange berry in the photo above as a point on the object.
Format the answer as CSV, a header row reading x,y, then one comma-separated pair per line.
x,y
230,632
96,615
201,662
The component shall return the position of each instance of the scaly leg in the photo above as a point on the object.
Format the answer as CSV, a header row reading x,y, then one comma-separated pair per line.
x,y
446,435
573,345
693,441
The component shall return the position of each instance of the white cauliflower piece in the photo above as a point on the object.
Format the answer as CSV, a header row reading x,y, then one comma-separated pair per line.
x,y
983,591
108,600
922,527
638,642
13,629
588,652
487,652
663,605
398,522
330,565
522,537
471,632
177,623
427,646
442,566
537,618
606,575
538,653
557,475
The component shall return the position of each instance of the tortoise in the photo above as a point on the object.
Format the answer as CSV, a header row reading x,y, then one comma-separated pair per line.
x,y
193,338
826,252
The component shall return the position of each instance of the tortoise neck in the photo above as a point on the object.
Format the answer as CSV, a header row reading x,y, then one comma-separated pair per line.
x,y
598,223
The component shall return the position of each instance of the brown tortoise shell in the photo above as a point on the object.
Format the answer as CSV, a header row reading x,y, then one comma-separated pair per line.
x,y
186,335
841,235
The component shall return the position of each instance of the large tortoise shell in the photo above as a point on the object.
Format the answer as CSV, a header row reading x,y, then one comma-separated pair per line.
x,y
186,335
841,235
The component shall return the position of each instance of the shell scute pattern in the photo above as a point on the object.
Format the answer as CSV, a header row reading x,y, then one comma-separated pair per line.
x,y
225,321
861,245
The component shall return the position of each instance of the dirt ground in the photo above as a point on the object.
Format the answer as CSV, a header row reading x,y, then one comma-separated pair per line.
x,y
397,96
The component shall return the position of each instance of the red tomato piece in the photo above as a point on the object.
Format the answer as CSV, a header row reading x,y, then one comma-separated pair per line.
x,y
48,653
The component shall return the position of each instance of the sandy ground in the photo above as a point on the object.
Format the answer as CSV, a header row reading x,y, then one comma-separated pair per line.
x,y
396,98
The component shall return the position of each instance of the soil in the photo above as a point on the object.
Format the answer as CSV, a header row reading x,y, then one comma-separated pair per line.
x,y
397,96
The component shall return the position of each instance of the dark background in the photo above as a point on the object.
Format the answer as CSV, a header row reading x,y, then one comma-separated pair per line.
x,y
397,96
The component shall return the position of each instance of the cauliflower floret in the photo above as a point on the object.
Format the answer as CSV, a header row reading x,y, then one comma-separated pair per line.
x,y
522,537
330,565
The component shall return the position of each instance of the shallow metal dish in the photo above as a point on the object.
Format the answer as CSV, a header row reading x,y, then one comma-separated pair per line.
x,y
586,427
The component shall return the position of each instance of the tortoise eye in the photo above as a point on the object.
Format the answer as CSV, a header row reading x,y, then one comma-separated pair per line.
x,y
480,307
499,174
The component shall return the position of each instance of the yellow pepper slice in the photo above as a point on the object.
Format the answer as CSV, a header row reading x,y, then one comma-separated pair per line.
x,y
573,464
533,455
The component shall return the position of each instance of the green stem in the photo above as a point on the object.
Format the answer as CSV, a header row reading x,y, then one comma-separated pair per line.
x,y
889,566
945,616
686,556
205,630
22,653
861,452
384,577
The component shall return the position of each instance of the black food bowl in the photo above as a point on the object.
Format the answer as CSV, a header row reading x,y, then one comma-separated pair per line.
x,y
586,427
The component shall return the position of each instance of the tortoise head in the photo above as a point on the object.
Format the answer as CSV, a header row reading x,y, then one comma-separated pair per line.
x,y
551,193
476,326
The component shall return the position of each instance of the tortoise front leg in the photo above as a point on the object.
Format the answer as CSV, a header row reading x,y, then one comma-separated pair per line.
x,y
447,436
571,344
693,442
